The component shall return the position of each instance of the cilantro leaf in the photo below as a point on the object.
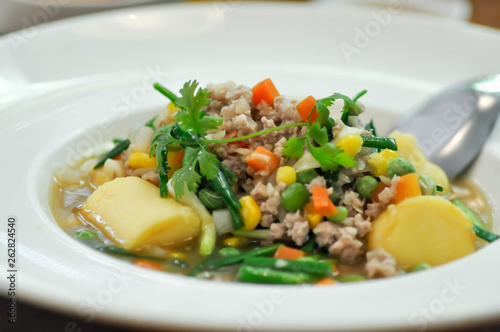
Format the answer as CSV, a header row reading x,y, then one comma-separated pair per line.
x,y
330,156
322,109
318,134
188,173
191,101
208,164
159,148
294,147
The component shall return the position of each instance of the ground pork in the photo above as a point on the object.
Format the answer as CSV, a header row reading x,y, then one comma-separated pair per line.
x,y
340,241
362,225
347,247
268,198
318,181
352,202
293,226
384,199
380,264
297,227
237,164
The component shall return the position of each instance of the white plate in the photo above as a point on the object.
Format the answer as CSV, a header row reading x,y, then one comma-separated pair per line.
x,y
60,85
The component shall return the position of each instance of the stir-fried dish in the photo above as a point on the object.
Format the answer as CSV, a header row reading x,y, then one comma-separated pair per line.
x,y
233,183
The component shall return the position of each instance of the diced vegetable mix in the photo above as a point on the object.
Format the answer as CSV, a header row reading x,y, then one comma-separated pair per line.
x,y
340,203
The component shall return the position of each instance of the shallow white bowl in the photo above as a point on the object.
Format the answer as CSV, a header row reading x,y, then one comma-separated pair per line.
x,y
80,82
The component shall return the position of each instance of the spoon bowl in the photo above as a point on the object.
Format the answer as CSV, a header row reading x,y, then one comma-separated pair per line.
x,y
453,126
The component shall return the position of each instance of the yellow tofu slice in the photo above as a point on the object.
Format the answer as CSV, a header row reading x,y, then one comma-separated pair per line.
x,y
423,229
130,212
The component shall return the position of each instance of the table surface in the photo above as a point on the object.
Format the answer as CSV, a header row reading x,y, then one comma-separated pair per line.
x,y
33,319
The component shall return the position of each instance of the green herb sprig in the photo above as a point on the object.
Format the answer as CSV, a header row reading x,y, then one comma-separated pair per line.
x,y
325,152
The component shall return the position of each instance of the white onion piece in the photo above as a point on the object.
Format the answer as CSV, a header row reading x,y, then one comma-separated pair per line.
x,y
222,221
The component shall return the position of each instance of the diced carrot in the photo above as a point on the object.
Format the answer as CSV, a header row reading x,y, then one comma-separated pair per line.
x,y
178,158
118,157
324,282
285,252
407,187
266,91
237,144
322,203
147,264
261,159
305,107
380,188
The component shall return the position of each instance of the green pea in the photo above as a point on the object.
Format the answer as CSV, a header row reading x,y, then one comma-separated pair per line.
x,y
294,197
421,267
366,186
211,199
427,184
229,251
305,177
340,215
399,166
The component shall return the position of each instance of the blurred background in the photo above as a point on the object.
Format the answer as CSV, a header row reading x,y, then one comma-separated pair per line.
x,y
21,14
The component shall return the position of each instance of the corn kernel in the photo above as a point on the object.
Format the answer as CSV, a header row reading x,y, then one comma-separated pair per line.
x,y
250,212
351,144
313,217
380,160
140,159
174,166
172,109
177,255
286,174
234,242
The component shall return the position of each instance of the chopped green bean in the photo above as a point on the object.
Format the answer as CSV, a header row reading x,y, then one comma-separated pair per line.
x,y
126,253
350,278
379,142
119,148
312,267
269,276
259,234
231,260
484,234
477,222
202,265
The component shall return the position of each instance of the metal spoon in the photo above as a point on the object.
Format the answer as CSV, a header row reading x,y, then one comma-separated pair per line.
x,y
452,127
